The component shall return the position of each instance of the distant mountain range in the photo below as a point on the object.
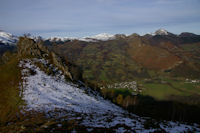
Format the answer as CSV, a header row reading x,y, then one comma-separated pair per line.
x,y
7,38
99,37
10,39
106,36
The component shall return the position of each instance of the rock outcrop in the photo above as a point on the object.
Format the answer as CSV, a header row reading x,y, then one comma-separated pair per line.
x,y
29,48
60,64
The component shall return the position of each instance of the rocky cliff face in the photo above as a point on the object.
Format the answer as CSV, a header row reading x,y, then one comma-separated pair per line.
x,y
29,48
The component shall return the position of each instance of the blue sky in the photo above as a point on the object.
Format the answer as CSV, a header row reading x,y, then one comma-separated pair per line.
x,y
89,17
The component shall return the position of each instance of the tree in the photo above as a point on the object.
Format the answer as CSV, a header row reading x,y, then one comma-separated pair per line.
x,y
127,101
119,99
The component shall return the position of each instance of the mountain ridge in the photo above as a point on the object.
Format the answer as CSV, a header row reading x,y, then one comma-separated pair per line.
x,y
10,39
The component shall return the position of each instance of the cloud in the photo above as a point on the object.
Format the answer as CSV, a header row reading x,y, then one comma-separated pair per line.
x,y
169,1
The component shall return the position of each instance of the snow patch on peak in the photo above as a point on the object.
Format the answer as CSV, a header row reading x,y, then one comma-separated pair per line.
x,y
7,38
161,32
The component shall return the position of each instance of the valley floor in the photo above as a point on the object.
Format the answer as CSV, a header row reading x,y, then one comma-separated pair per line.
x,y
57,98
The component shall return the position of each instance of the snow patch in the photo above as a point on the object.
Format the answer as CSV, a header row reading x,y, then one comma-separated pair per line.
x,y
99,37
102,37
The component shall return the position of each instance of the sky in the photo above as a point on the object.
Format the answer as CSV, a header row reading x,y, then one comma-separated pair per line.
x,y
79,18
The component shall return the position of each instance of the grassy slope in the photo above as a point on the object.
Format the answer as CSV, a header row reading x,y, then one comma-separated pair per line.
x,y
9,87
152,57
102,62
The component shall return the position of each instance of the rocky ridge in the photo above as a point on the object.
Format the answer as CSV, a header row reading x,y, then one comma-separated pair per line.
x,y
28,47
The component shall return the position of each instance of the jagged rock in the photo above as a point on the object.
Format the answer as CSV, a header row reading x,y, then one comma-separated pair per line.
x,y
59,63
28,47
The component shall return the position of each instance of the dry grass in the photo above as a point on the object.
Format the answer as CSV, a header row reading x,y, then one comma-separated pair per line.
x,y
9,90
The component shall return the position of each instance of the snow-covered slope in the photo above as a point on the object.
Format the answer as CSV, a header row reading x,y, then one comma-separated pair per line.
x,y
45,93
99,37
8,38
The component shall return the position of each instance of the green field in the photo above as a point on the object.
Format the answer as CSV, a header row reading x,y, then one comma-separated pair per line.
x,y
162,91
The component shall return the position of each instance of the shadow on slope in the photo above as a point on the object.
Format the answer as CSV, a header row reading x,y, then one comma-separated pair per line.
x,y
147,106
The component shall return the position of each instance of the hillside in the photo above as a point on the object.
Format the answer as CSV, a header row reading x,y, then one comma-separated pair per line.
x,y
127,58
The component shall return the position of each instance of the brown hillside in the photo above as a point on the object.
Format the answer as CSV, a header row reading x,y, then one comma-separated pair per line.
x,y
150,56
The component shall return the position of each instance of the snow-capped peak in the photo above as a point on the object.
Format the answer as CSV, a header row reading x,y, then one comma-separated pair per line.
x,y
8,38
98,37
102,37
161,32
